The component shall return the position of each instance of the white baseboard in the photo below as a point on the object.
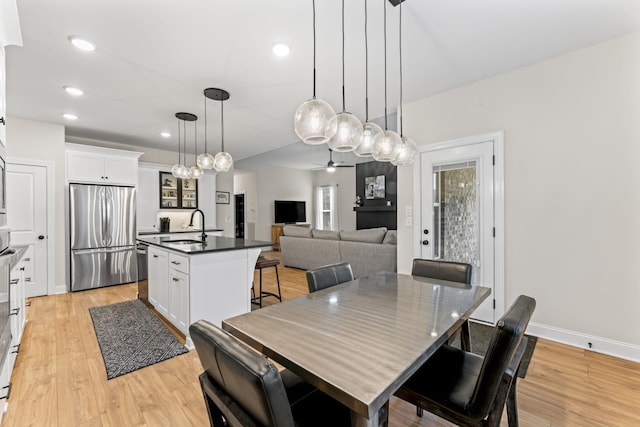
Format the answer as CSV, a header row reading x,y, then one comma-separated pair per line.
x,y
607,346
60,289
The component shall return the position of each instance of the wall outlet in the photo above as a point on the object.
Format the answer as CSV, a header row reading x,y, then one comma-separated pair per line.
x,y
408,221
408,211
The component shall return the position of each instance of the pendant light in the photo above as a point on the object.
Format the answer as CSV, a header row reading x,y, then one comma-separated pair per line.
x,y
205,160
195,171
369,129
223,161
406,151
385,143
311,121
348,134
179,170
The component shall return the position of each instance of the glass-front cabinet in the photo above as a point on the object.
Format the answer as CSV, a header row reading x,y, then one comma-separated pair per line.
x,y
176,193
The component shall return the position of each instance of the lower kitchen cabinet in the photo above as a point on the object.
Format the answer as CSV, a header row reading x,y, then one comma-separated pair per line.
x,y
169,286
179,300
158,279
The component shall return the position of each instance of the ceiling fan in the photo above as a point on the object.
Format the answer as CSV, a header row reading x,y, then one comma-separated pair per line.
x,y
331,165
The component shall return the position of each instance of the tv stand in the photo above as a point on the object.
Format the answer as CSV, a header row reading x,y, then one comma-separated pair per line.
x,y
277,231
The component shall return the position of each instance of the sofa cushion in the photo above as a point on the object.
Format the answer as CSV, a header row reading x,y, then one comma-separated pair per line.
x,y
391,238
369,235
325,234
295,231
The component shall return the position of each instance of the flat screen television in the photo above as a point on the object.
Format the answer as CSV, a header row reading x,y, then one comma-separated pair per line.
x,y
289,211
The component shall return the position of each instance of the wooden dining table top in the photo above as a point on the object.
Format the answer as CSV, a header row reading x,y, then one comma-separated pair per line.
x,y
361,340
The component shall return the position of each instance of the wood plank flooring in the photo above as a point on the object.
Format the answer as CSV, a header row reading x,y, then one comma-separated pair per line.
x,y
60,380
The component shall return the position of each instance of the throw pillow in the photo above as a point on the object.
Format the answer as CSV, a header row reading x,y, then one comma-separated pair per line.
x,y
391,238
325,234
295,231
369,235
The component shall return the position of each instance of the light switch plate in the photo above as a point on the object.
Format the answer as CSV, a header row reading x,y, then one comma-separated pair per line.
x,y
408,211
408,221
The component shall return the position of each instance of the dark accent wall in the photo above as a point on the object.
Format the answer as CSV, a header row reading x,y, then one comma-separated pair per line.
x,y
375,212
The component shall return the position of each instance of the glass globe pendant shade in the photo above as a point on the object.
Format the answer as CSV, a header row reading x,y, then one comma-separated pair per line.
x,y
195,172
311,122
179,171
222,162
369,132
348,134
407,153
205,161
384,146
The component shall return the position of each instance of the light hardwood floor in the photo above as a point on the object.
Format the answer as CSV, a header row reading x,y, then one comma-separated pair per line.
x,y
60,380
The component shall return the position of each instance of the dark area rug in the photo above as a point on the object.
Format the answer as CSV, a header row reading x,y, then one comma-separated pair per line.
x,y
132,337
480,336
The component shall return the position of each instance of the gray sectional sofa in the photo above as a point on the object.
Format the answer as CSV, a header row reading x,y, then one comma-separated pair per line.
x,y
368,251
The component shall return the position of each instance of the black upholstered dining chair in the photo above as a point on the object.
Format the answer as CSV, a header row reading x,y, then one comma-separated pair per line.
x,y
442,270
471,390
328,275
243,388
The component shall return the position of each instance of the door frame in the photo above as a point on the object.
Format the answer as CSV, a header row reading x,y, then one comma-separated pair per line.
x,y
51,214
498,203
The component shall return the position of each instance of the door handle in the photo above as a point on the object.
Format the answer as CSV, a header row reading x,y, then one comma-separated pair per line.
x,y
41,237
2,121
425,242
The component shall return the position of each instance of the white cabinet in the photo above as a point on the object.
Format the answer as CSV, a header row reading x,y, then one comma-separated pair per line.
x,y
99,165
179,300
3,98
158,279
147,199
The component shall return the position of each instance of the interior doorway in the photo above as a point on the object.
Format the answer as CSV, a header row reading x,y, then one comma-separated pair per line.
x,y
239,201
458,205
30,220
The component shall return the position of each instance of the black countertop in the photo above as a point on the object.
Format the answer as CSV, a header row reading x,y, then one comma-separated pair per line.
x,y
151,233
194,247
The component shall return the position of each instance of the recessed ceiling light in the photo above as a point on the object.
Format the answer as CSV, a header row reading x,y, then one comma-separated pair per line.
x,y
70,116
165,135
82,44
73,90
280,49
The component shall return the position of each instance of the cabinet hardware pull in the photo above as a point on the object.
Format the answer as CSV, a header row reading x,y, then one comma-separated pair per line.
x,y
2,121
21,268
14,281
175,280
27,279
15,312
17,349
27,304
175,262
155,256
8,387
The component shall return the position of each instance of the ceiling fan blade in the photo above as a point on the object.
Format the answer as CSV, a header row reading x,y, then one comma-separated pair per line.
x,y
344,166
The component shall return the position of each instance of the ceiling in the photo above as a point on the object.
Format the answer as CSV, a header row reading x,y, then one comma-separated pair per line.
x,y
155,57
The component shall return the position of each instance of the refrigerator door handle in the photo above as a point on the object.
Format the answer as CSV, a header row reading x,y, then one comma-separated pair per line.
x,y
103,213
102,250
108,203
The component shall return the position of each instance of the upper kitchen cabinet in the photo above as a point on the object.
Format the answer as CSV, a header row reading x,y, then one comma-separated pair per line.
x,y
97,165
176,193
10,34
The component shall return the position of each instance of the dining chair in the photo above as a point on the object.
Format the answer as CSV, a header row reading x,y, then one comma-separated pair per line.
x,y
471,390
450,271
243,388
328,275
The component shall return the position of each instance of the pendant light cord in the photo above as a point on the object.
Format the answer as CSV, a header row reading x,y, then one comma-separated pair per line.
x,y
343,103
222,122
195,143
400,53
314,49
184,141
384,4
366,66
178,141
205,125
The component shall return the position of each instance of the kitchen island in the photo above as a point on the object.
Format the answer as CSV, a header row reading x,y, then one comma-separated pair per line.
x,y
190,280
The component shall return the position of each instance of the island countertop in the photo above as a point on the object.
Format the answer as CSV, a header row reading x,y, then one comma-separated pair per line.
x,y
194,247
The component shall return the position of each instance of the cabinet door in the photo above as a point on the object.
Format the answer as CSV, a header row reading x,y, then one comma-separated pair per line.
x,y
179,300
85,167
158,279
120,170
146,199
3,99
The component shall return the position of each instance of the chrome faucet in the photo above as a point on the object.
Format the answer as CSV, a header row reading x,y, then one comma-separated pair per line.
x,y
204,235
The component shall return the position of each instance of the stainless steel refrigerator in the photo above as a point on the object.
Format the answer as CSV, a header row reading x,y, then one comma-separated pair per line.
x,y
103,235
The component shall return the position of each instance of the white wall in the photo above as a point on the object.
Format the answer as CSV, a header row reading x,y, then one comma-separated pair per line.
x,y
27,139
572,184
345,179
225,213
275,183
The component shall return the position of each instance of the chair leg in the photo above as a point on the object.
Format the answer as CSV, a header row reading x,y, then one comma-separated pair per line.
x,y
419,411
260,288
512,404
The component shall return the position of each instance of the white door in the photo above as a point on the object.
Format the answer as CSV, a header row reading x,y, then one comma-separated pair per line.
x,y
457,213
27,219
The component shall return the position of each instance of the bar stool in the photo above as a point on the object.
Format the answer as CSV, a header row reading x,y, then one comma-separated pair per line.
x,y
262,263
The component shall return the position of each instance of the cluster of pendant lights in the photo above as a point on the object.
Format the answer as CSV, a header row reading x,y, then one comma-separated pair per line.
x,y
222,161
315,121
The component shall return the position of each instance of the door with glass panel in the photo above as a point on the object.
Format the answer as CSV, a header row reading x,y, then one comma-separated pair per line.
x,y
457,219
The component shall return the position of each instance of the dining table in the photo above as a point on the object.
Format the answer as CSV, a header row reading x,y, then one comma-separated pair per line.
x,y
361,340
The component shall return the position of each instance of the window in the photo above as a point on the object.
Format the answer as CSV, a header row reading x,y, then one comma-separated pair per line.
x,y
326,207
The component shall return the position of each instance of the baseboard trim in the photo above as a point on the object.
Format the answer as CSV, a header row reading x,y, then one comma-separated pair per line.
x,y
60,289
607,346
